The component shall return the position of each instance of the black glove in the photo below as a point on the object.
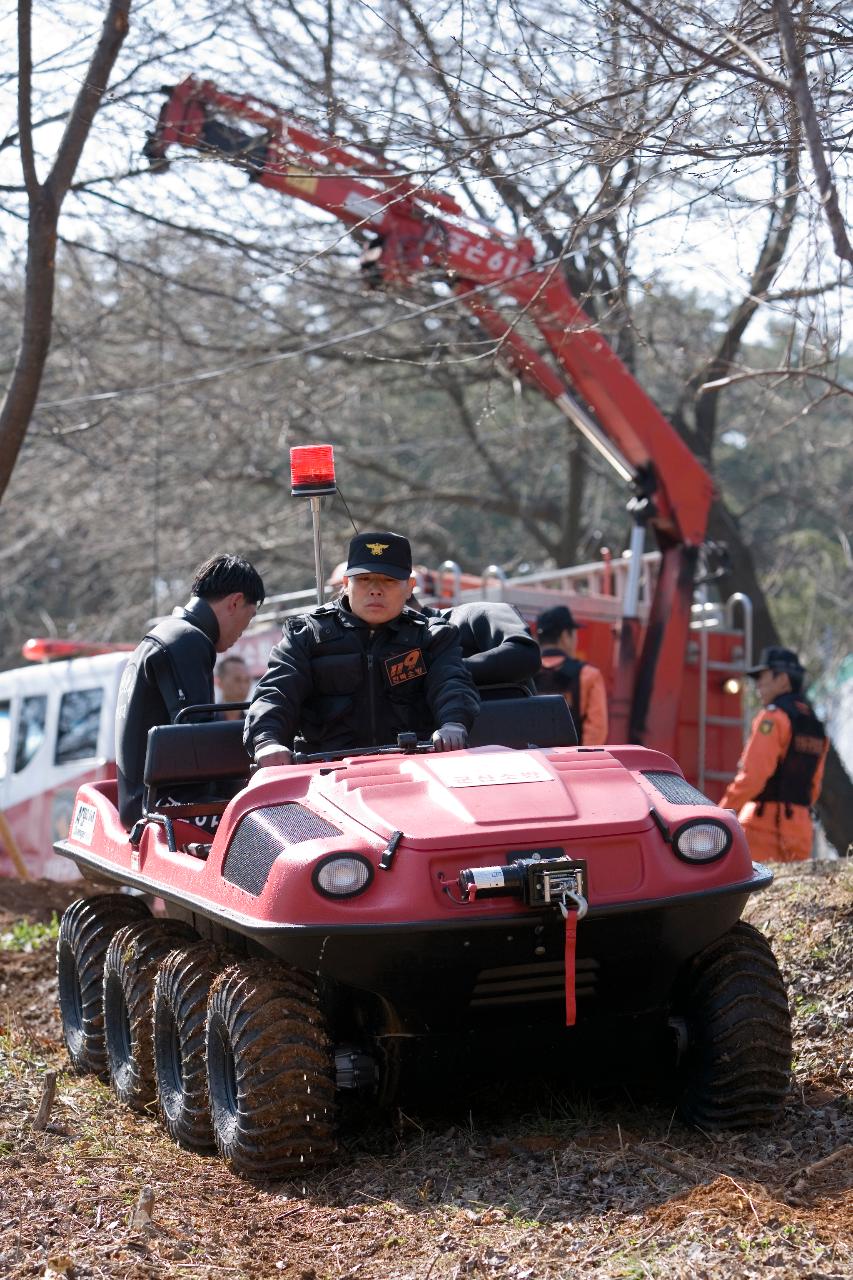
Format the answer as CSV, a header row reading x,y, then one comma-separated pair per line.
x,y
450,737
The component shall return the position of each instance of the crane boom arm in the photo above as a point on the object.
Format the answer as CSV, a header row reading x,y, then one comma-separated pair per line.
x,y
418,230
411,232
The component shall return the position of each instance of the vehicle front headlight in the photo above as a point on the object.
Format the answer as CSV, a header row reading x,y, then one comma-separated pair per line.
x,y
342,875
701,840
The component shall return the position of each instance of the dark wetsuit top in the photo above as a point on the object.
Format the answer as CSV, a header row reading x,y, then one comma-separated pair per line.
x,y
171,668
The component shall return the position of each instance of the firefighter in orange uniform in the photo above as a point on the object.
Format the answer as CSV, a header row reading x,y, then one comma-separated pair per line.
x,y
780,772
580,683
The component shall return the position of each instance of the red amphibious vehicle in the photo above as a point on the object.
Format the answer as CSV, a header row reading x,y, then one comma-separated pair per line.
x,y
352,912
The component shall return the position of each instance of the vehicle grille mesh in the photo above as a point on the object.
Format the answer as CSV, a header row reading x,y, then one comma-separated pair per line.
x,y
262,835
674,788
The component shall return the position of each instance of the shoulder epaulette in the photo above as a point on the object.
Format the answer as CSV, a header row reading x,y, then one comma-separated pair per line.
x,y
324,622
299,622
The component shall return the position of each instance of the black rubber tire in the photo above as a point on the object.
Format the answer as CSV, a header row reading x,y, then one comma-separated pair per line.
x,y
181,990
269,1071
85,932
130,967
736,1070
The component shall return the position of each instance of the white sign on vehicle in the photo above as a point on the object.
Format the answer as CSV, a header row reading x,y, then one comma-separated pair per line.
x,y
489,770
83,826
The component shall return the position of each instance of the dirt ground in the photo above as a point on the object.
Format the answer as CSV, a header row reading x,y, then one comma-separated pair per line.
x,y
590,1182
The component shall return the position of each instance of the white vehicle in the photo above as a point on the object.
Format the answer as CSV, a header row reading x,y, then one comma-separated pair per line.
x,y
57,730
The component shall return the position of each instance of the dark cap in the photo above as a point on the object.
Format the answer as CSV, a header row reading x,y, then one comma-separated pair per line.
x,y
775,658
387,553
553,622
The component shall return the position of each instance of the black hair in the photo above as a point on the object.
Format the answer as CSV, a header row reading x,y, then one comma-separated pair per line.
x,y
223,575
228,659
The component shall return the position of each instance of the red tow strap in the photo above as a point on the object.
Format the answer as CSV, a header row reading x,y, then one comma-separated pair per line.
x,y
571,937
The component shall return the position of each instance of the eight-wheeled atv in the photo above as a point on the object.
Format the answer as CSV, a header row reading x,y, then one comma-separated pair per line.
x,y
348,909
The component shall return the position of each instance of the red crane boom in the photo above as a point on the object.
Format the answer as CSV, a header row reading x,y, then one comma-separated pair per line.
x,y
416,231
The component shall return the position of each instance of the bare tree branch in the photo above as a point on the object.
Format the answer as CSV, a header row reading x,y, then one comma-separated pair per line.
x,y
25,115
808,115
704,56
706,384
45,205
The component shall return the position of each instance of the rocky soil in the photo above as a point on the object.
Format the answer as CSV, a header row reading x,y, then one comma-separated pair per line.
x,y
588,1182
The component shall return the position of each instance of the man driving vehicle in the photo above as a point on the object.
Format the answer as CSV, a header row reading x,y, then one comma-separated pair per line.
x,y
357,672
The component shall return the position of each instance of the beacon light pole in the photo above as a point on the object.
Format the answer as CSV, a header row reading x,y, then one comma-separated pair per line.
x,y
312,475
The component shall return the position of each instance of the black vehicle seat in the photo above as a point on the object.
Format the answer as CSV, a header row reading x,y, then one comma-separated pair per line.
x,y
498,692
183,755
540,721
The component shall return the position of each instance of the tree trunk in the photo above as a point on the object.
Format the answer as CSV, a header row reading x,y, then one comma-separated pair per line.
x,y
723,527
835,806
22,394
570,532
45,203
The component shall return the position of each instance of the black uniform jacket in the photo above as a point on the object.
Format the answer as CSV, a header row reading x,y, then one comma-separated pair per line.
x,y
495,643
334,682
171,668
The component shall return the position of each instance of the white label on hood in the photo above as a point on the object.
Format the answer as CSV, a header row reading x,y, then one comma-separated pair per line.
x,y
471,769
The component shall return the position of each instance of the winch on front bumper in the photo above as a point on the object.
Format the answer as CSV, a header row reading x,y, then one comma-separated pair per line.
x,y
539,881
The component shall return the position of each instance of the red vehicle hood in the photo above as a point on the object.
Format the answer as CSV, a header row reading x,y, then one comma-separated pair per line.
x,y
467,797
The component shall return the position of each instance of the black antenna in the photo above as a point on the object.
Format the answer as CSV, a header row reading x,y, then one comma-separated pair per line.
x,y
349,513
158,439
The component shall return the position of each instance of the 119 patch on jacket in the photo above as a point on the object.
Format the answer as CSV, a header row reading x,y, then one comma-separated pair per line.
x,y
405,666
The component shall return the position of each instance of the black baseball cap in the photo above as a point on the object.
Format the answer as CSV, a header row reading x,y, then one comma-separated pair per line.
x,y
553,622
775,658
383,552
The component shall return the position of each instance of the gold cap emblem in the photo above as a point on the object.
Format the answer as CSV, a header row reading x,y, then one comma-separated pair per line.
x,y
376,548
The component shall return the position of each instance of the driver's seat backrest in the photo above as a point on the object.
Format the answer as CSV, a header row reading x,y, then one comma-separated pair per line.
x,y
541,721
181,754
